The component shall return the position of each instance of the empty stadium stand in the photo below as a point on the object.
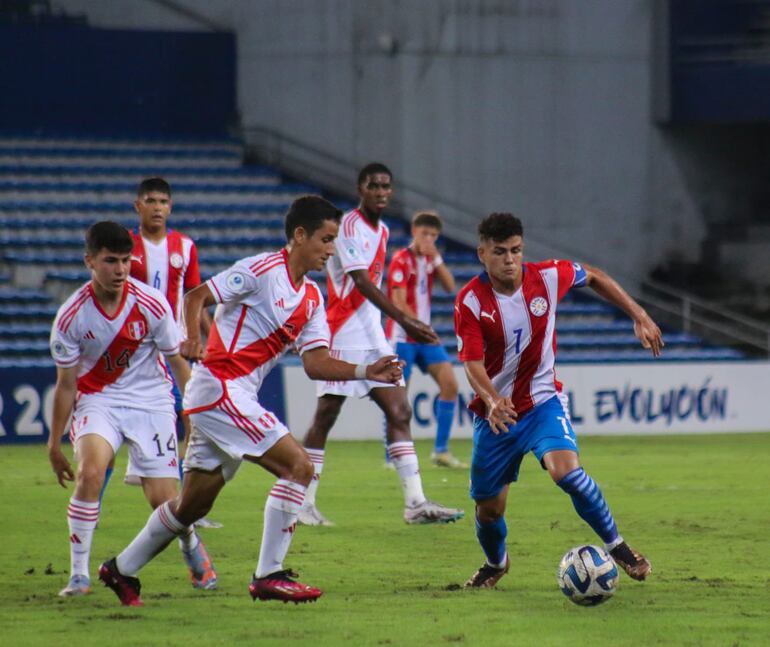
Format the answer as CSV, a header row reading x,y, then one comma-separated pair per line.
x,y
52,189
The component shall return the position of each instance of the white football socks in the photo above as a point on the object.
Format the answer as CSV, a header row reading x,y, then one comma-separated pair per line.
x,y
408,467
160,529
81,519
281,510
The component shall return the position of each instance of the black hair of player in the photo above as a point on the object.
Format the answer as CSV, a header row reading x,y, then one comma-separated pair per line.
x,y
427,219
499,227
310,212
110,236
150,184
373,168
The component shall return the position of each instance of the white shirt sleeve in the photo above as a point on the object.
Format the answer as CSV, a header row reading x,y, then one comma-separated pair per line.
x,y
65,346
350,251
233,284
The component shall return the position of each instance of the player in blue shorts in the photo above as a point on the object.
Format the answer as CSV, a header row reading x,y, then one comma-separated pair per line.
x,y
505,319
410,286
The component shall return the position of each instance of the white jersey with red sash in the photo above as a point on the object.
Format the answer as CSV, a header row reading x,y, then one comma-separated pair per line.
x,y
117,356
354,321
261,314
515,335
413,273
170,266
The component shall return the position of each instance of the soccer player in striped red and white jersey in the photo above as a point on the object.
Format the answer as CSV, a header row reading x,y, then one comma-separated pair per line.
x,y
410,287
167,260
356,305
265,306
505,319
106,340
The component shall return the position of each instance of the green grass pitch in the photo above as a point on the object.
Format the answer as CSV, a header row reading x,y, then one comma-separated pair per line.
x,y
696,505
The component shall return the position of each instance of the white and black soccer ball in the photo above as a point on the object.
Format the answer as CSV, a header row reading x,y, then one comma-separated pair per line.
x,y
587,575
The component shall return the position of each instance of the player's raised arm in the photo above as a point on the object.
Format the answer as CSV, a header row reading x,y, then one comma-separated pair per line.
x,y
319,365
499,409
194,302
416,329
64,395
645,328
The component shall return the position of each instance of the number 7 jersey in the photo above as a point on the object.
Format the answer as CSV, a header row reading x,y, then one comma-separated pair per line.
x,y
515,336
118,357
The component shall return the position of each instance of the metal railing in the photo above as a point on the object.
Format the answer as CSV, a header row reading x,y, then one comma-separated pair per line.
x,y
675,307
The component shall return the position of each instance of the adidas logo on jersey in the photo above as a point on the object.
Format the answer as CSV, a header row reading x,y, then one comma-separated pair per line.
x,y
172,462
89,335
280,303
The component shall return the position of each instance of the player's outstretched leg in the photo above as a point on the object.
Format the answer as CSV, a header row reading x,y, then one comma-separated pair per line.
x,y
271,581
590,504
418,509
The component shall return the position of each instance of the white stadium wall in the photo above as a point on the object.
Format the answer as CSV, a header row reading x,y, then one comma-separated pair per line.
x,y
638,399
543,108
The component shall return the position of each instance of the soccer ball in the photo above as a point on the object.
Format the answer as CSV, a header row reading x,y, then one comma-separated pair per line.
x,y
587,575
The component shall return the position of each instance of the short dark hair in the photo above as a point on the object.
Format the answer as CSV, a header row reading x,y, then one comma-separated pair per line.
x,y
426,219
150,184
110,236
499,227
370,169
310,212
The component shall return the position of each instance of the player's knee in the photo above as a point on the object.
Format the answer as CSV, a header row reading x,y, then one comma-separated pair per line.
x,y
488,513
448,391
300,471
399,414
90,476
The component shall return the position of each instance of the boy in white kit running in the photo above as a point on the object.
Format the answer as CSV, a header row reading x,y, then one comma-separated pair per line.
x,y
106,341
356,304
265,306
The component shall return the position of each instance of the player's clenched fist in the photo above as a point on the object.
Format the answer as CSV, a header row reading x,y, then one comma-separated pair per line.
x,y
191,349
419,331
388,369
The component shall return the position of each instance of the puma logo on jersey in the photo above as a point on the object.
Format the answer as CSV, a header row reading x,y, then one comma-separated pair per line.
x,y
488,315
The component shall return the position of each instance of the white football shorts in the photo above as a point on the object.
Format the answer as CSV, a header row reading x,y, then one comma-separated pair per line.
x,y
150,435
237,426
355,388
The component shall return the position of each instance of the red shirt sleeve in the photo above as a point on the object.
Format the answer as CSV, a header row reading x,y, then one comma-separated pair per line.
x,y
192,278
398,273
470,340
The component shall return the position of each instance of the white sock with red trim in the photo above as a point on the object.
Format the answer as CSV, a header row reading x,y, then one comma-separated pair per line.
x,y
281,510
408,467
81,519
317,458
160,529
